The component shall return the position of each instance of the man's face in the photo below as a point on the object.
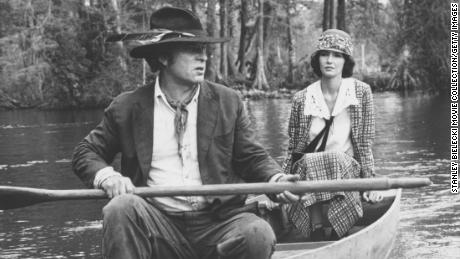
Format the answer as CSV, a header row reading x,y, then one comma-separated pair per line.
x,y
188,63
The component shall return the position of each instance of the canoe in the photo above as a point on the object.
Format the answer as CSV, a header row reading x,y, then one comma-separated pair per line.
x,y
372,237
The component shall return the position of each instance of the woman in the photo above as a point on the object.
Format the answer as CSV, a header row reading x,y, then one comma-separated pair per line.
x,y
331,129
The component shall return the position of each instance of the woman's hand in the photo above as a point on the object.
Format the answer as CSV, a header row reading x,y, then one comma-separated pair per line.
x,y
372,196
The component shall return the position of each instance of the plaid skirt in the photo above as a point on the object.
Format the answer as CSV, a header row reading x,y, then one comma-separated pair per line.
x,y
345,208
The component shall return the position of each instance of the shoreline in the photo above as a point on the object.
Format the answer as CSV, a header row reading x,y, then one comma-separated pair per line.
x,y
252,94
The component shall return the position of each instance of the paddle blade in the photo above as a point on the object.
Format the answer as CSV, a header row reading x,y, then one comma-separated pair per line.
x,y
18,197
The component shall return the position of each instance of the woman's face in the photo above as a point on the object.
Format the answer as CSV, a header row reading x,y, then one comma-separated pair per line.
x,y
331,63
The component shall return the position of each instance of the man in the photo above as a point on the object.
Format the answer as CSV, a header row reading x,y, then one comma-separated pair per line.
x,y
182,130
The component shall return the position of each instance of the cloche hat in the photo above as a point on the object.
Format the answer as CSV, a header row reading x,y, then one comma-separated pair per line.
x,y
335,40
168,24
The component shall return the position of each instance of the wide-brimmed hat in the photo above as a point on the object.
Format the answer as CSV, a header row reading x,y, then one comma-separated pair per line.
x,y
335,40
167,25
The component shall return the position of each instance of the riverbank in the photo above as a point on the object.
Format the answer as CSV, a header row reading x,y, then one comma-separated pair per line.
x,y
378,82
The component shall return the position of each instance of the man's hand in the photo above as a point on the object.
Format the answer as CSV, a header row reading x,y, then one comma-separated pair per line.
x,y
372,196
286,196
117,185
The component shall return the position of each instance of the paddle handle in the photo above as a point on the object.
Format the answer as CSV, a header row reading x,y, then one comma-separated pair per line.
x,y
251,188
16,197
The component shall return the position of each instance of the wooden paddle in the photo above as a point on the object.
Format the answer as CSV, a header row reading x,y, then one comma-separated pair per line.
x,y
16,197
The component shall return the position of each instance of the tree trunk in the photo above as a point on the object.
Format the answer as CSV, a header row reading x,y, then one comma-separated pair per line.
x,y
250,52
279,59
243,32
232,48
117,29
326,14
232,71
269,13
341,25
193,4
260,81
211,63
334,14
224,34
145,25
291,43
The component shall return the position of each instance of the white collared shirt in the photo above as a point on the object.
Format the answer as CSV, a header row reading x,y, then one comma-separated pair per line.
x,y
339,138
167,167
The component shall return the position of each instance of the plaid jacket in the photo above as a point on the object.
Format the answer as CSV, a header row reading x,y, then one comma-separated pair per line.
x,y
345,207
362,128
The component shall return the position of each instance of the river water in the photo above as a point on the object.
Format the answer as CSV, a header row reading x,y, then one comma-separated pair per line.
x,y
412,140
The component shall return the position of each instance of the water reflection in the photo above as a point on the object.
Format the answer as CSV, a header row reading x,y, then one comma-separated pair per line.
x,y
412,140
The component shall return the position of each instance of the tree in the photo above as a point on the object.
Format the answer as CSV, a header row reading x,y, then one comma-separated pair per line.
x,y
223,6
341,25
232,34
334,15
211,62
53,52
243,33
371,34
117,29
423,45
193,5
260,81
290,43
328,14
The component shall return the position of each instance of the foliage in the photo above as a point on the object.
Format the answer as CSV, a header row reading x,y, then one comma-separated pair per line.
x,y
69,62
424,41
373,29
53,55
